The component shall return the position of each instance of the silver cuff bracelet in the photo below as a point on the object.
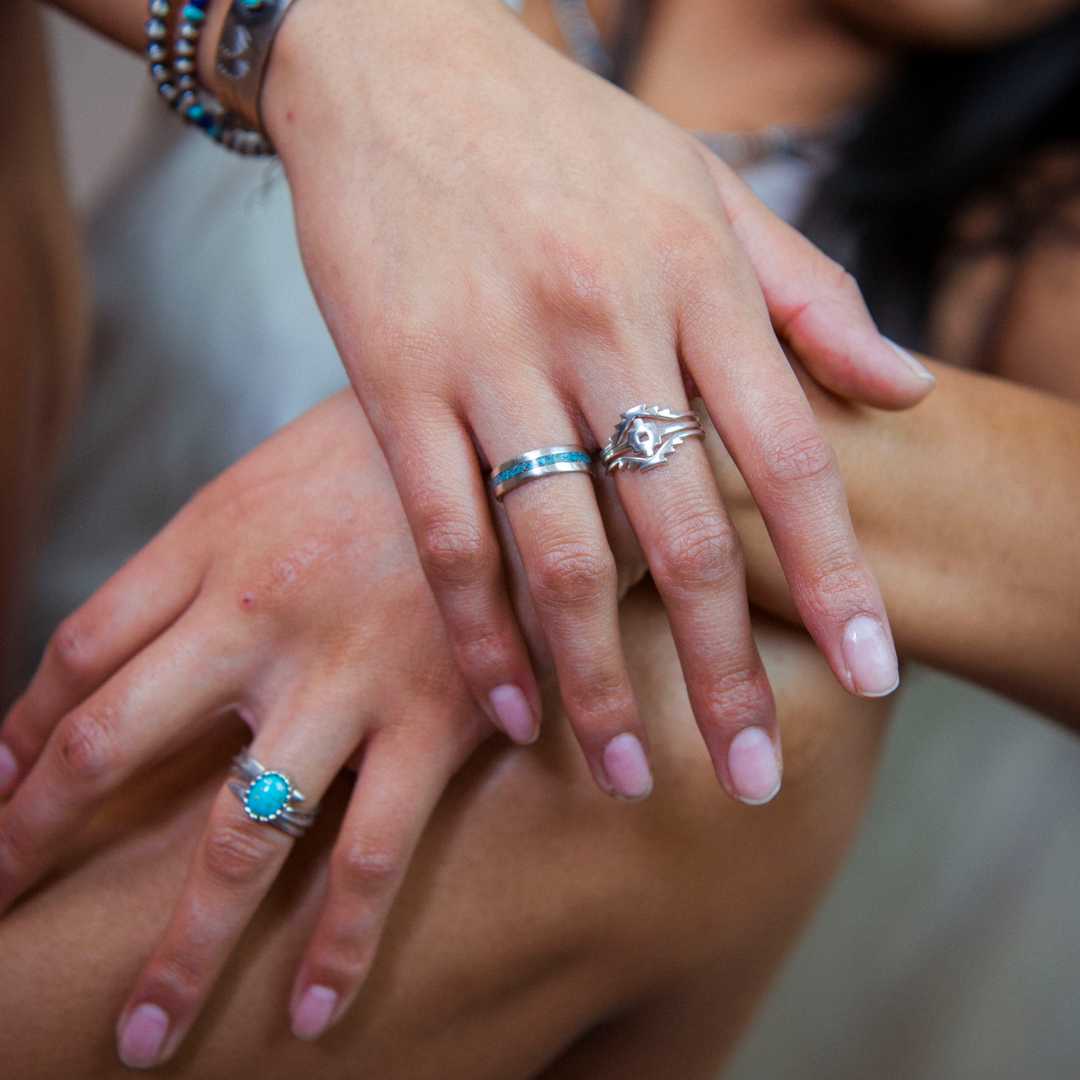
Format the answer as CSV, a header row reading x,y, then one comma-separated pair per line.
x,y
242,53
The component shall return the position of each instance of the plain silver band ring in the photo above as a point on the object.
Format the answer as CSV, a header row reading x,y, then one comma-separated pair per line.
x,y
550,461
283,811
647,435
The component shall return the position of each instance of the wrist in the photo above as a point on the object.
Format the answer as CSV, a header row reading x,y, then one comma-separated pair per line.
x,y
336,62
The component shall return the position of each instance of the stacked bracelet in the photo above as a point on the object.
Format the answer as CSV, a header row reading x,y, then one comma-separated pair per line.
x,y
172,67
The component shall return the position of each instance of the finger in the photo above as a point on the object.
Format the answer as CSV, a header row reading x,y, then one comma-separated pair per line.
x,y
817,308
442,490
696,563
400,782
133,607
234,865
141,714
767,425
573,586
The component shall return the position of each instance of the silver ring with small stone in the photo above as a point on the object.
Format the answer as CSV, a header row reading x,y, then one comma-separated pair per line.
x,y
549,461
268,795
646,435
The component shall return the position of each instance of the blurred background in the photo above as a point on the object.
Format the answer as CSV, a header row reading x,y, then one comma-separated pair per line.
x,y
102,96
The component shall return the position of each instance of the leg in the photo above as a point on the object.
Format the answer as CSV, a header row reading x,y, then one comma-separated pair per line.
x,y
544,928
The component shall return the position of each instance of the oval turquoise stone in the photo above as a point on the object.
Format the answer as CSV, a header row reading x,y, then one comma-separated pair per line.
x,y
267,796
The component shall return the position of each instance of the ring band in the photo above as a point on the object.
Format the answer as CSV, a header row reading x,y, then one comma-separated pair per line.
x,y
537,463
268,795
646,435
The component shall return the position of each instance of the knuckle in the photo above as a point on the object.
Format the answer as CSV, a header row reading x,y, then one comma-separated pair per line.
x,y
71,650
702,553
180,977
603,702
841,282
572,574
363,866
405,356
477,649
740,697
455,553
575,287
89,749
837,574
800,453
235,855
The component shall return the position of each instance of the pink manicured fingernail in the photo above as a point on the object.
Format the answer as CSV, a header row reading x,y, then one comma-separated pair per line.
x,y
314,1012
627,768
921,370
753,766
143,1036
870,657
9,768
515,717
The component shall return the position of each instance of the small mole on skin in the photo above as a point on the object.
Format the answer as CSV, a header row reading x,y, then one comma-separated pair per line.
x,y
247,599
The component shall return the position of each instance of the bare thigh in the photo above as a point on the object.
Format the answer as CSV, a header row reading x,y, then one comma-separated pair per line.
x,y
543,930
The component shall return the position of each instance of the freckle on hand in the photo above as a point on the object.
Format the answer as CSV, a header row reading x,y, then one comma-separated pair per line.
x,y
247,599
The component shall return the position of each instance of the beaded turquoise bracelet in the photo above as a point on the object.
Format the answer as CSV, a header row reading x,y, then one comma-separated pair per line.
x,y
172,67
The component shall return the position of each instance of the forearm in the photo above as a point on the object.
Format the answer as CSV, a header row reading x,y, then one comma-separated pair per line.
x,y
968,509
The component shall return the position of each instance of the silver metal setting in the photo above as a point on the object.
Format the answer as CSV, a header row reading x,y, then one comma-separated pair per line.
x,y
550,461
290,819
646,435
243,52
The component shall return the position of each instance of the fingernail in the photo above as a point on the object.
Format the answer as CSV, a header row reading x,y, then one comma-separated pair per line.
x,y
9,768
515,716
313,1013
870,657
143,1036
753,766
626,767
920,369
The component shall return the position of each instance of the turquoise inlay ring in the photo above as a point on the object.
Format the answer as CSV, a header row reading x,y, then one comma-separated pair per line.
x,y
269,796
536,463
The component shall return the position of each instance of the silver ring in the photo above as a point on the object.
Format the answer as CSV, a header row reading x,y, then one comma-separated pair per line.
x,y
646,435
536,463
269,796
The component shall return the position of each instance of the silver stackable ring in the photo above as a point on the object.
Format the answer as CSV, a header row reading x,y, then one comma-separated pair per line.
x,y
268,795
537,463
646,435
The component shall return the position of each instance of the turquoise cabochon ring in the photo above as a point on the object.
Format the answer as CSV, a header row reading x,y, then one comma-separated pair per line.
x,y
269,796
549,461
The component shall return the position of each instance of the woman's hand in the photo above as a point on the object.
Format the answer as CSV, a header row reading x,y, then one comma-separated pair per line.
x,y
968,510
511,252
290,591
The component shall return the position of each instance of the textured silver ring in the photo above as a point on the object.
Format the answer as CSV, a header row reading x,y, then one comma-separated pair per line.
x,y
268,795
646,435
537,463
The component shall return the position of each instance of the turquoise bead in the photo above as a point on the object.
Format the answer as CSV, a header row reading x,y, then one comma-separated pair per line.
x,y
193,14
267,796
